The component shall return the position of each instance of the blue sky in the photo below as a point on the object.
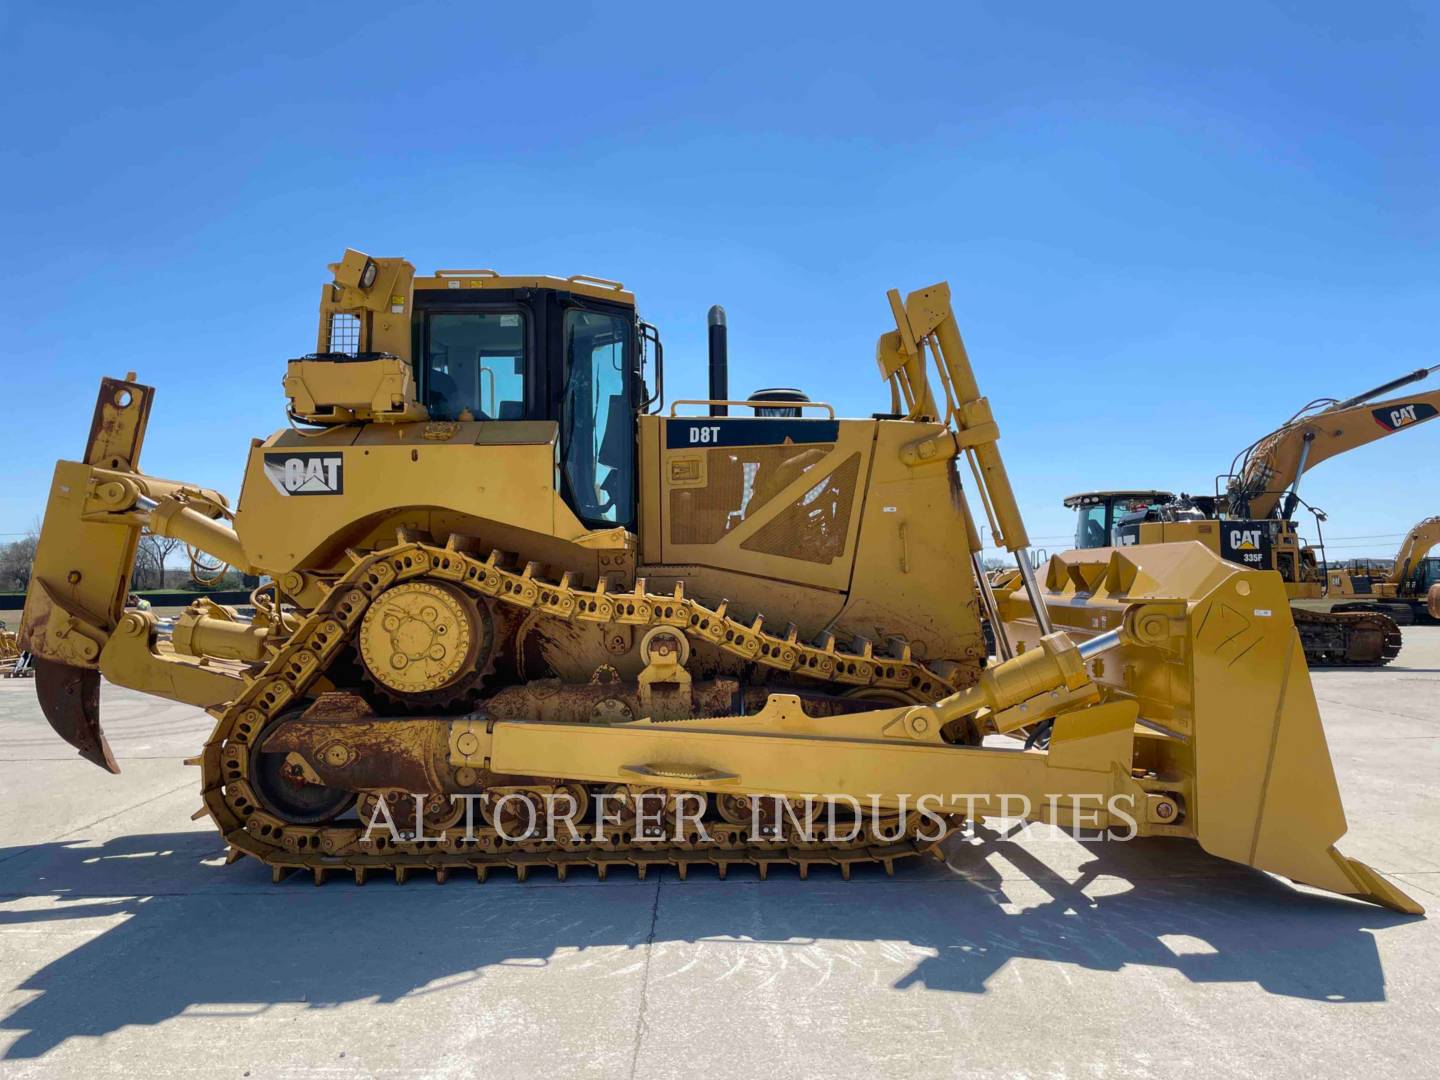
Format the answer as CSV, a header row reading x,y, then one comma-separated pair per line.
x,y
1165,227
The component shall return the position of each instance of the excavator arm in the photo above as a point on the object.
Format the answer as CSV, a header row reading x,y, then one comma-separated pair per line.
x,y
1417,544
1267,481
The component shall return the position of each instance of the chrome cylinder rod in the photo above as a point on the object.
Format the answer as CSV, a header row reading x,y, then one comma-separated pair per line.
x,y
1032,589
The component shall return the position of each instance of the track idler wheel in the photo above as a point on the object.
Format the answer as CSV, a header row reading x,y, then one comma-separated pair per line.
x,y
426,644
288,788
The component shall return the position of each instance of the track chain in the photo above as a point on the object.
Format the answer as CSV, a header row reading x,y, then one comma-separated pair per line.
x,y
1348,623
303,657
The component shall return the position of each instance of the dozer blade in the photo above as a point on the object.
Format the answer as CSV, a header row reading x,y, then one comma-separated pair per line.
x,y
1228,717
70,699
1279,771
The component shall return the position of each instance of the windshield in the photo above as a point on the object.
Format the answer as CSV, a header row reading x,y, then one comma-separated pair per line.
x,y
1094,529
1427,573
1090,530
475,366
1133,511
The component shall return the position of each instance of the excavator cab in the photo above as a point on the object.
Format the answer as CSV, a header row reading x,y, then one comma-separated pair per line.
x,y
1101,513
1426,574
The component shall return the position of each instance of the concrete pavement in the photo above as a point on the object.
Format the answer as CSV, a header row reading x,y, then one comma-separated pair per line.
x,y
126,948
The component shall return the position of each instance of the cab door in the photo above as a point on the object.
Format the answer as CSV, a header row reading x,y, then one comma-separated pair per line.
x,y
597,415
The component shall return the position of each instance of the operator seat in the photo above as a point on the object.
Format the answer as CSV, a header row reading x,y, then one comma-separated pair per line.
x,y
444,396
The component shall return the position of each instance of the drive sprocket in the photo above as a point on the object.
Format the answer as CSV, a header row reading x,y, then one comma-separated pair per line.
x,y
427,645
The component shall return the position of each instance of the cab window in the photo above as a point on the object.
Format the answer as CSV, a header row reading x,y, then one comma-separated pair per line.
x,y
597,418
1092,530
475,365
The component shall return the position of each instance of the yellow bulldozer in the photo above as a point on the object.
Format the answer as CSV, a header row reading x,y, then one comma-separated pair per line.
x,y
518,612
1252,522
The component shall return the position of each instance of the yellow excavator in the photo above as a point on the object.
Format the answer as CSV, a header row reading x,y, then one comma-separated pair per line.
x,y
517,613
1252,522
1409,592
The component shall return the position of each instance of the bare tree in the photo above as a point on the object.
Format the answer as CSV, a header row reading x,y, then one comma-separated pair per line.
x,y
151,559
15,560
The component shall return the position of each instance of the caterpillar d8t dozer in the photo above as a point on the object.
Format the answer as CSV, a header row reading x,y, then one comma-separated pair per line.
x,y
515,615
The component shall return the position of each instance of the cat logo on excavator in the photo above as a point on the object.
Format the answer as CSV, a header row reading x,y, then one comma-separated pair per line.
x,y
1396,417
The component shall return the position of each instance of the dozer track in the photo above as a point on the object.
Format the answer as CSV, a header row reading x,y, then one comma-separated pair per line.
x,y
1348,638
326,631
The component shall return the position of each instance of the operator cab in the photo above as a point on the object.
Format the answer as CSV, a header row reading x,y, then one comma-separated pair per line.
x,y
486,347
1425,574
1101,513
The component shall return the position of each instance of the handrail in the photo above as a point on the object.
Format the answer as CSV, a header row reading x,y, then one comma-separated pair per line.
x,y
486,272
591,279
830,409
650,335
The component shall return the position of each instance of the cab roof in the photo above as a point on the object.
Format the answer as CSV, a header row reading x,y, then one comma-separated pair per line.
x,y
1090,498
583,284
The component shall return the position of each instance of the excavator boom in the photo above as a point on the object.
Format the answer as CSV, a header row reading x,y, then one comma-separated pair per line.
x,y
1418,543
1270,470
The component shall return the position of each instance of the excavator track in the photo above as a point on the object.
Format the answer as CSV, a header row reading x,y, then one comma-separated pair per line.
x,y
298,664
1402,612
1347,639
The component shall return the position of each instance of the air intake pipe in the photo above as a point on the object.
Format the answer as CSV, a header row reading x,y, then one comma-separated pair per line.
x,y
719,361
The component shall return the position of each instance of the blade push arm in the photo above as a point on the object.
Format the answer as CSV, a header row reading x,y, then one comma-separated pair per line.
x,y
1238,763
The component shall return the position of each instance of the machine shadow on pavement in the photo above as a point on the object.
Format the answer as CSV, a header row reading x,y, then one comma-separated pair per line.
x,y
193,939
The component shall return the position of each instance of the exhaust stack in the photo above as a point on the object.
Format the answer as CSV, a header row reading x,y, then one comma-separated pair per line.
x,y
719,361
